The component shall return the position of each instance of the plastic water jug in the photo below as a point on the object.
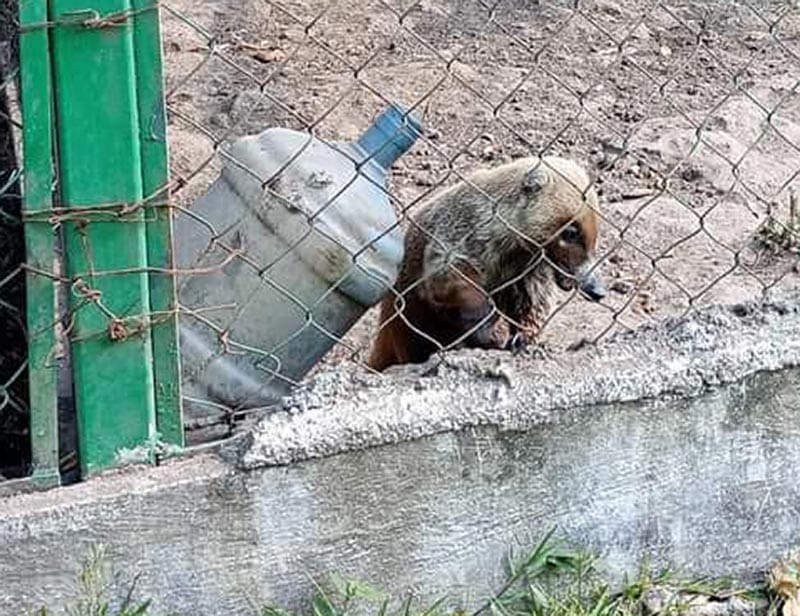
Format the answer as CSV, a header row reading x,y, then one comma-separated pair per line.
x,y
282,255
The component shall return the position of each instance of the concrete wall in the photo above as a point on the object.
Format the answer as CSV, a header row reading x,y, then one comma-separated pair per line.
x,y
679,443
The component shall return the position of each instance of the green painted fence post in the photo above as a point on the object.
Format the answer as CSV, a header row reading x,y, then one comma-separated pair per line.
x,y
161,258
36,94
106,171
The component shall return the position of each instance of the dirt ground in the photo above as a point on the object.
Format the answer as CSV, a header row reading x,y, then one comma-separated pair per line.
x,y
702,94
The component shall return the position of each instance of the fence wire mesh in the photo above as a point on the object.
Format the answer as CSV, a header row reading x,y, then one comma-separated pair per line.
x,y
14,442
685,114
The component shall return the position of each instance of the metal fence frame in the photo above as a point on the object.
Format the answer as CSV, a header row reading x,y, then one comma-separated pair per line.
x,y
96,177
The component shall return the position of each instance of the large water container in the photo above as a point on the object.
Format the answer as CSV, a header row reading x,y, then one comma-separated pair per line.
x,y
289,247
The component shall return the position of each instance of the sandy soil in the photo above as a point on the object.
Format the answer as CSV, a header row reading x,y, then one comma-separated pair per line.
x,y
688,114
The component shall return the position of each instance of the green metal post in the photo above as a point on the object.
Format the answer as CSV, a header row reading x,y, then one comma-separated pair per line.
x,y
100,161
36,94
155,170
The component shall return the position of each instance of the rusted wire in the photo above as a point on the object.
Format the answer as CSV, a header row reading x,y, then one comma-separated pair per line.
x,y
90,19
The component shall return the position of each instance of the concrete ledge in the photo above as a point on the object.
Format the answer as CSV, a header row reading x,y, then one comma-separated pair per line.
x,y
679,444
349,409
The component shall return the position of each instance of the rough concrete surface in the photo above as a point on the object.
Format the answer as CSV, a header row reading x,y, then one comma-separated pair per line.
x,y
689,458
349,409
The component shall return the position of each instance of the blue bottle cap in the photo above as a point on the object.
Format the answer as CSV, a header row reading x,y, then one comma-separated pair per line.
x,y
391,135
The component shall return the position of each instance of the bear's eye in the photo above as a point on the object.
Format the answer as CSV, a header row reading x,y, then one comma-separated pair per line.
x,y
571,233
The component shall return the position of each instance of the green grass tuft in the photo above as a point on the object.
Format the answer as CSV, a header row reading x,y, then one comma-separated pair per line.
x,y
549,580
95,581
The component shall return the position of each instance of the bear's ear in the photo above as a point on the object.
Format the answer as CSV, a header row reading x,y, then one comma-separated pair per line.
x,y
535,179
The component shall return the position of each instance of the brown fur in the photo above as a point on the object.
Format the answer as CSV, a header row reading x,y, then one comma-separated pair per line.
x,y
470,260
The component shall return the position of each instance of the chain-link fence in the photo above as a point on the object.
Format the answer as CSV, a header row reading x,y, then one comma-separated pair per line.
x,y
685,116
14,446
14,442
684,120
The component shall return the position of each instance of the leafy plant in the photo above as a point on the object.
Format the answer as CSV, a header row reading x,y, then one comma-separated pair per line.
x,y
549,580
94,585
